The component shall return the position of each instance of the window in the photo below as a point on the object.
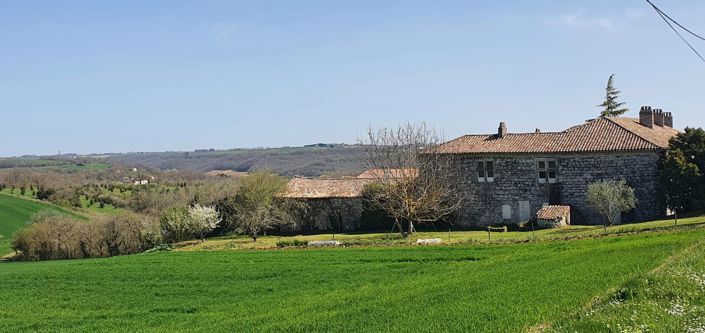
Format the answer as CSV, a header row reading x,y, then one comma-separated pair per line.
x,y
506,212
485,171
547,170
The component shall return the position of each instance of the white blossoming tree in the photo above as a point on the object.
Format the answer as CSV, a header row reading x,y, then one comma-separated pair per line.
x,y
203,220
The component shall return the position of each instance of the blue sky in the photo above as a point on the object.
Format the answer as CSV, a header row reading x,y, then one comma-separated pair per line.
x,y
118,76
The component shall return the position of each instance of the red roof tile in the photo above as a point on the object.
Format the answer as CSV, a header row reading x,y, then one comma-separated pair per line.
x,y
309,188
553,212
604,134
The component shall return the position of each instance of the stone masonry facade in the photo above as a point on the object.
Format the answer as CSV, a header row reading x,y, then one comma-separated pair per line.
x,y
331,214
515,193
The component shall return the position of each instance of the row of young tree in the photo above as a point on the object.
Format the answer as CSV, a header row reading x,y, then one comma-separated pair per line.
x,y
255,208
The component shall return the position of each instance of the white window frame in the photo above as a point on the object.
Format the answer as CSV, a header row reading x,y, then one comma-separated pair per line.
x,y
483,174
543,166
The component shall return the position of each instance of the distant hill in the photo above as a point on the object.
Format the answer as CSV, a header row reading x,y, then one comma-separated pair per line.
x,y
311,161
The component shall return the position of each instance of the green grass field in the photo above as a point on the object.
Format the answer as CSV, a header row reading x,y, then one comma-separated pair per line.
x,y
455,237
86,208
471,288
15,213
670,298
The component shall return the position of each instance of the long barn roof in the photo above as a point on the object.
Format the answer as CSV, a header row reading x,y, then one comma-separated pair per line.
x,y
316,188
604,134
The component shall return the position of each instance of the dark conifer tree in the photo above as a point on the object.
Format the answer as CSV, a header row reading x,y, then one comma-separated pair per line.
x,y
611,107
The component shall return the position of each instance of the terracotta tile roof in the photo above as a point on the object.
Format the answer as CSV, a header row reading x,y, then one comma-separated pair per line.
x,y
393,173
604,134
553,212
657,135
309,188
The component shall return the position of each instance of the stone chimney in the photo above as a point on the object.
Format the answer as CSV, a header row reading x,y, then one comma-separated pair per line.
x,y
646,116
668,119
658,117
502,130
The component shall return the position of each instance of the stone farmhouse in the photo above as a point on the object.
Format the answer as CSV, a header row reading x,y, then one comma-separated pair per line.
x,y
331,204
509,177
336,204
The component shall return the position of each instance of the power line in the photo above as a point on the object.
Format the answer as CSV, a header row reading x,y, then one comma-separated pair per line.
x,y
664,17
674,21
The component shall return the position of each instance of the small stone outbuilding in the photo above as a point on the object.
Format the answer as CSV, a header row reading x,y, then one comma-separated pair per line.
x,y
330,204
553,216
337,204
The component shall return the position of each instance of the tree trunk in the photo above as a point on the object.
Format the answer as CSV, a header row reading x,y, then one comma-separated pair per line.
x,y
401,229
411,227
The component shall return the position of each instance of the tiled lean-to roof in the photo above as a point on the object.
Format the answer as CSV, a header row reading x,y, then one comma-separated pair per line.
x,y
604,134
310,188
553,212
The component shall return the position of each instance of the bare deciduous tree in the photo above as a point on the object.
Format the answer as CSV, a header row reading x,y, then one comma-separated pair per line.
x,y
258,206
411,182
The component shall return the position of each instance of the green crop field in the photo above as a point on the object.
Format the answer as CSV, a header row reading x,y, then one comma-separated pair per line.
x,y
471,288
670,298
15,213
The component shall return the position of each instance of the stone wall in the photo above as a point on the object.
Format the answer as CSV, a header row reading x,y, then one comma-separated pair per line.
x,y
331,214
516,186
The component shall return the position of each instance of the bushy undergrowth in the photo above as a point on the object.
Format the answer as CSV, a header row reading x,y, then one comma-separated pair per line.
x,y
53,236
292,243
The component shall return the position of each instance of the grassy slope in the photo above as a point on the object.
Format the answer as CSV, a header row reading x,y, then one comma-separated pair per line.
x,y
15,213
668,299
85,208
244,242
479,288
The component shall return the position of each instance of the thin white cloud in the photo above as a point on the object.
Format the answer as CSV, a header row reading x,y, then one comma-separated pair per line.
x,y
579,19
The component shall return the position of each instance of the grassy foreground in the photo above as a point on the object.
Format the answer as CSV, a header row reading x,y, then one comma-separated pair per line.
x,y
670,298
14,215
472,288
237,242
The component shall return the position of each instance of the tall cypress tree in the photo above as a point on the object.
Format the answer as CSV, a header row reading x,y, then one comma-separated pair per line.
x,y
611,107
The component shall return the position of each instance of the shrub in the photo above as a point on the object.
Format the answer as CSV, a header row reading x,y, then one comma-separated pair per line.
x,y
44,194
610,198
174,224
294,242
53,236
203,220
129,233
